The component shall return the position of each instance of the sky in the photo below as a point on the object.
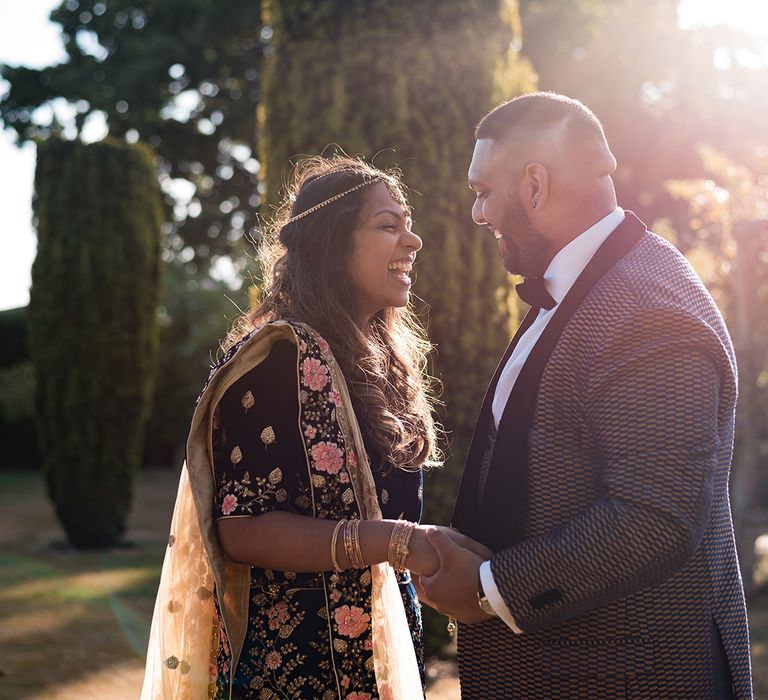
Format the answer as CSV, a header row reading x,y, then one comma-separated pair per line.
x,y
28,38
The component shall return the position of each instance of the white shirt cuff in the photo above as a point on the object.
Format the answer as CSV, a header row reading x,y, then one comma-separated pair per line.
x,y
494,597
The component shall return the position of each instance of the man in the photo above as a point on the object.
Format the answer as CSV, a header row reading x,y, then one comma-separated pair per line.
x,y
598,472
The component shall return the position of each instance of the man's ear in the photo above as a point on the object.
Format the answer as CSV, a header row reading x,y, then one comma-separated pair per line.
x,y
535,186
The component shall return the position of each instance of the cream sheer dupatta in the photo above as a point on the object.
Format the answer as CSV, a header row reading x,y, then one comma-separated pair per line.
x,y
179,651
180,646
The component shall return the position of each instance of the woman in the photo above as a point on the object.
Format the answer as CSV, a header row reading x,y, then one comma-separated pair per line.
x,y
304,464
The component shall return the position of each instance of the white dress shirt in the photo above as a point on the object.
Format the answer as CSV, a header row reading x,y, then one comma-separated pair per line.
x,y
559,276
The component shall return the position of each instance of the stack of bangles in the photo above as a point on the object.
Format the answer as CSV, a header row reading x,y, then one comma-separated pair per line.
x,y
399,544
397,554
351,539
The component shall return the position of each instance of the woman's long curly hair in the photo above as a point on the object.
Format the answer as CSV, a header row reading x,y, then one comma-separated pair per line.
x,y
305,279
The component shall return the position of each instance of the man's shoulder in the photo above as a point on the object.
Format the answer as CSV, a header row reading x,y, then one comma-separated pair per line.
x,y
654,274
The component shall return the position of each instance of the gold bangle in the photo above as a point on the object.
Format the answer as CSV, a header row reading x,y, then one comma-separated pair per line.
x,y
405,546
348,541
398,544
334,540
357,553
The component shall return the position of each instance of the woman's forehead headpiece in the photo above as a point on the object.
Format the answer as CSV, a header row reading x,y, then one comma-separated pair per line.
x,y
314,208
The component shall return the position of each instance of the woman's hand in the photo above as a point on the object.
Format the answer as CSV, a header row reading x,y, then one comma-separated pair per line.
x,y
422,558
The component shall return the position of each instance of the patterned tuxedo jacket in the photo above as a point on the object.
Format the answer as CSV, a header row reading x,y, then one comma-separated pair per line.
x,y
605,495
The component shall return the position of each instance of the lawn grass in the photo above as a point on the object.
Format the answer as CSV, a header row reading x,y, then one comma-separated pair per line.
x,y
74,625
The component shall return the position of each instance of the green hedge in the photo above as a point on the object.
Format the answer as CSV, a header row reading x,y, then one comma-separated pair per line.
x,y
93,328
13,337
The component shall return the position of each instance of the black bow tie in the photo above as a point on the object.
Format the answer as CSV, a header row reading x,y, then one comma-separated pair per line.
x,y
533,292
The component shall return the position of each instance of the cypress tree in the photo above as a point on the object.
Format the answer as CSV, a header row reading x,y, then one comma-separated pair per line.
x,y
92,323
408,81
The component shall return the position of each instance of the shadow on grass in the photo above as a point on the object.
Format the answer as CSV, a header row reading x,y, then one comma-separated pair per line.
x,y
63,621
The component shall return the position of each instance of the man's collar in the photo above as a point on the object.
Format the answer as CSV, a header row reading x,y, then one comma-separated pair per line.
x,y
571,260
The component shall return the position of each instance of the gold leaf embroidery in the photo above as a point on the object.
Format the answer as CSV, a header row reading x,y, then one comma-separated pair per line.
x,y
268,435
247,401
285,631
323,613
340,645
369,664
365,577
281,495
318,480
275,476
236,456
348,496
303,501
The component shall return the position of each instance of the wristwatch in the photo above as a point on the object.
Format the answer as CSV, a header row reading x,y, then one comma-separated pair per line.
x,y
482,601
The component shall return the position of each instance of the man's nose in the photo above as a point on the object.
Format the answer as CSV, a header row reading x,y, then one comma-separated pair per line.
x,y
477,213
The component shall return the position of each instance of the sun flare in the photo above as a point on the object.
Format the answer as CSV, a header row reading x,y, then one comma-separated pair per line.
x,y
749,15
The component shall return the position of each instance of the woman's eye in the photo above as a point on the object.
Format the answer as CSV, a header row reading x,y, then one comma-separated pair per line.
x,y
389,227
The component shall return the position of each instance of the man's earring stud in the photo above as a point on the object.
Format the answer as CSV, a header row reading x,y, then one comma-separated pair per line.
x,y
533,204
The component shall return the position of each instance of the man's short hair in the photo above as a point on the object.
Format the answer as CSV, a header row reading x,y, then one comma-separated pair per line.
x,y
537,111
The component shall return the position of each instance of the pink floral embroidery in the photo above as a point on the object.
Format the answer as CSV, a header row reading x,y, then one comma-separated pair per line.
x,y
344,477
358,696
213,672
314,375
323,343
335,397
229,504
352,621
310,431
368,644
335,596
345,682
278,615
352,458
327,457
273,660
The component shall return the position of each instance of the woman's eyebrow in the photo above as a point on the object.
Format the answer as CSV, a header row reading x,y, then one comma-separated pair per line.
x,y
394,212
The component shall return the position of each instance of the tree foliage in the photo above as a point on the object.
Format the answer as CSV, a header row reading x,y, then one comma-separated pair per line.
x,y
92,325
181,75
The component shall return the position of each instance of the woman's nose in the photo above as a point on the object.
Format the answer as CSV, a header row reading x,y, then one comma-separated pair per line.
x,y
412,240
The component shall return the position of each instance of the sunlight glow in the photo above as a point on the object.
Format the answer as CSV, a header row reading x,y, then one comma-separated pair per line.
x,y
749,15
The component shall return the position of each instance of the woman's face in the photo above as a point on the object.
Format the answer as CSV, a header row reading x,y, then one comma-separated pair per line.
x,y
383,251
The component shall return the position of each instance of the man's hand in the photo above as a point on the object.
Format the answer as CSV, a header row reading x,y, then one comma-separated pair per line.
x,y
452,590
464,541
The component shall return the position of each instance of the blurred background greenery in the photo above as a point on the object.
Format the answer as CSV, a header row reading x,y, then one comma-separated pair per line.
x,y
226,94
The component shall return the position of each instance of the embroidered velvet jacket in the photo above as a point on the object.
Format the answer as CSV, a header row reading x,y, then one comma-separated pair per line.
x,y
278,444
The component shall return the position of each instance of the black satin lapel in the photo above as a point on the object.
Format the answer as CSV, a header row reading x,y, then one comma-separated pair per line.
x,y
468,496
502,513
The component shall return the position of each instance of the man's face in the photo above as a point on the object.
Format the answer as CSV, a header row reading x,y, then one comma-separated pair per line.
x,y
495,176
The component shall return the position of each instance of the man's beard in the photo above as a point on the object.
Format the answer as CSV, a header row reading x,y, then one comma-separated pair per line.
x,y
524,250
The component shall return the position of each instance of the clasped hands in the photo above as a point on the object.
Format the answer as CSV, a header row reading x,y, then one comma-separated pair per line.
x,y
445,565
